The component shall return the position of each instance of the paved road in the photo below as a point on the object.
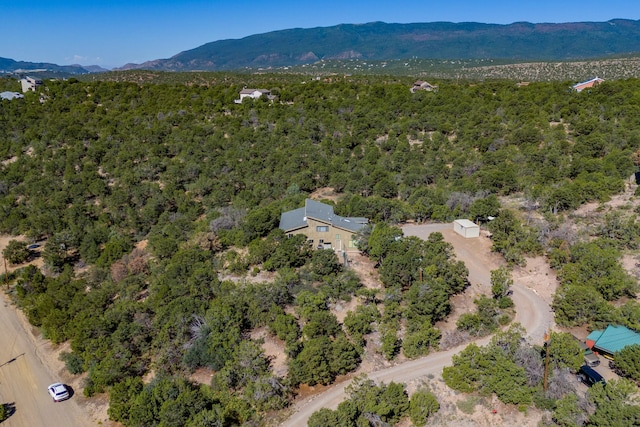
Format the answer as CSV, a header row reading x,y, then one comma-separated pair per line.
x,y
532,312
24,379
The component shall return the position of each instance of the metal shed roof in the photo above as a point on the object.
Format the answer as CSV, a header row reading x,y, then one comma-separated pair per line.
x,y
614,338
466,223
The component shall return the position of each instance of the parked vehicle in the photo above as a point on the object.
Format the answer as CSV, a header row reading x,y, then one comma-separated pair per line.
x,y
589,376
58,392
591,359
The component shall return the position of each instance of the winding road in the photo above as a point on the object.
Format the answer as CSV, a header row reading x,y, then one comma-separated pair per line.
x,y
532,312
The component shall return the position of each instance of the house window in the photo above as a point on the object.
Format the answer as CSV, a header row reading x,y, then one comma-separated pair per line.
x,y
352,244
289,235
337,237
322,228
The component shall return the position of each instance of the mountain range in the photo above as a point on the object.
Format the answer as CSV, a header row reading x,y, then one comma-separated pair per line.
x,y
22,67
379,41
376,41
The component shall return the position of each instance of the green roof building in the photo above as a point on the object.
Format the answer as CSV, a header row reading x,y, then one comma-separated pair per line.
x,y
612,339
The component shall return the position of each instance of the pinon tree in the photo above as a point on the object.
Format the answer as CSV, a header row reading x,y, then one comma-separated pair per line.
x,y
16,252
628,361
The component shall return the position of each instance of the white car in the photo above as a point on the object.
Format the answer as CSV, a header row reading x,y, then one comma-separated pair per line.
x,y
58,392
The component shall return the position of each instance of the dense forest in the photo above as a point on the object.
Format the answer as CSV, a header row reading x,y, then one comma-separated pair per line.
x,y
146,197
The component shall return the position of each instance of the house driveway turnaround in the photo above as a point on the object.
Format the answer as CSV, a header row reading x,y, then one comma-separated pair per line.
x,y
532,312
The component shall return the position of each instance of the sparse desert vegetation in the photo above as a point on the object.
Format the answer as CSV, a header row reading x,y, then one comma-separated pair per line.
x,y
155,200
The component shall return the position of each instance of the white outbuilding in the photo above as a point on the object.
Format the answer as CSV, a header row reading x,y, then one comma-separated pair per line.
x,y
466,228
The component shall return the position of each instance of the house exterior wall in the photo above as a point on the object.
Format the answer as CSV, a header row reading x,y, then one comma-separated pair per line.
x,y
466,228
254,95
333,238
30,84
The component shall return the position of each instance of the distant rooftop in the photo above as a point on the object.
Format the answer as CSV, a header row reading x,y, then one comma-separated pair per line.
x,y
587,84
10,95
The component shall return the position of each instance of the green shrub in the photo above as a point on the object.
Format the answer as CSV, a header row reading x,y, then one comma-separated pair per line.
x,y
504,303
73,362
16,252
422,405
420,342
390,343
628,361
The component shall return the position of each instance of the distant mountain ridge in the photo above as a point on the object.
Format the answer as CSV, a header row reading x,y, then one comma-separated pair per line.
x,y
520,41
379,41
11,66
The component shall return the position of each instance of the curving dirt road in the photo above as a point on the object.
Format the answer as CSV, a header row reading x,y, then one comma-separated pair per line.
x,y
24,378
533,313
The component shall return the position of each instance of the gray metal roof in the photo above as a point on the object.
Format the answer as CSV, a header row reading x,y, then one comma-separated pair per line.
x,y
10,95
250,91
297,218
293,220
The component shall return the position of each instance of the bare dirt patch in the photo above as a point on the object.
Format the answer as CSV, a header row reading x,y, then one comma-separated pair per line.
x,y
202,376
538,276
260,277
325,193
341,308
274,349
365,269
6,266
9,160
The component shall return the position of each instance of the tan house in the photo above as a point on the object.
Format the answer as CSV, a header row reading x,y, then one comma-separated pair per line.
x,y
254,94
30,84
323,228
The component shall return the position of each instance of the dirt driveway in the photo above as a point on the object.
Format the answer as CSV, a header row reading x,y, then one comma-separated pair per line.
x,y
533,288
533,313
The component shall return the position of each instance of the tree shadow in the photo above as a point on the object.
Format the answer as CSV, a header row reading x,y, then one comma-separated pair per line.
x,y
10,409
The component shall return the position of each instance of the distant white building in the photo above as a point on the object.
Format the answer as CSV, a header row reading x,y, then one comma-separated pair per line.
x,y
255,94
30,84
11,95
422,85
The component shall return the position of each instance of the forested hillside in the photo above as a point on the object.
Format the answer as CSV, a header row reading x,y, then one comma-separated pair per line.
x,y
145,196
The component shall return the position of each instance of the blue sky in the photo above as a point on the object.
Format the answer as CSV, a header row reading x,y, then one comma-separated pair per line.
x,y
112,33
